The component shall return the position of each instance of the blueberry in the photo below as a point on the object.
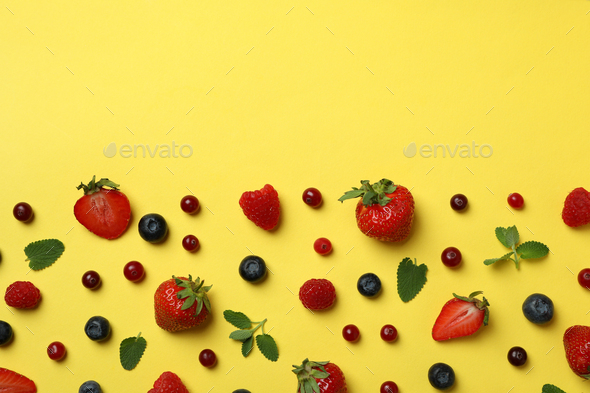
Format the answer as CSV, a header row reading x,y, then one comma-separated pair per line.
x,y
97,328
153,228
90,387
252,268
538,308
441,376
369,285
241,391
5,333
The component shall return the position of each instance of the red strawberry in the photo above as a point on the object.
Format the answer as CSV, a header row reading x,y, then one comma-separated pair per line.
x,y
317,294
262,207
105,213
168,383
327,376
461,316
22,294
576,209
179,303
576,341
11,382
385,212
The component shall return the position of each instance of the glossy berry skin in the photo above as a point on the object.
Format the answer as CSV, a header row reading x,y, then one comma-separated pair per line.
x,y
22,294
388,387
441,376
91,279
584,278
189,204
6,333
515,200
351,333
388,333
369,285
168,382
56,351
190,243
168,306
461,316
538,308
23,212
317,294
90,387
451,257
97,328
322,246
252,269
133,271
576,341
207,358
458,202
312,197
517,356
334,382
262,207
153,228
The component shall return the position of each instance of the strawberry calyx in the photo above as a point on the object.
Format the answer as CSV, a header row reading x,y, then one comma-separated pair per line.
x,y
96,186
306,374
372,194
480,304
193,291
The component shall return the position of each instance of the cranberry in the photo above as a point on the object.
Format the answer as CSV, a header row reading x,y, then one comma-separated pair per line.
x,y
458,202
91,279
389,387
133,271
351,333
190,243
312,197
451,257
517,356
56,350
388,333
515,200
584,278
23,211
322,246
189,204
207,358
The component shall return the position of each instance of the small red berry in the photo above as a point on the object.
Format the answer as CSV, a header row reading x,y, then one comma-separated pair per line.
x,y
133,271
451,257
56,350
23,212
388,333
458,202
584,278
312,197
22,294
91,279
515,200
351,333
322,246
189,204
517,356
207,358
389,387
190,243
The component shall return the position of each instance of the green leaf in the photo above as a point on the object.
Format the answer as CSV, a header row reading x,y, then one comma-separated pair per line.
x,y
512,237
241,335
247,346
268,347
501,235
502,258
131,351
410,279
532,249
238,319
548,388
43,253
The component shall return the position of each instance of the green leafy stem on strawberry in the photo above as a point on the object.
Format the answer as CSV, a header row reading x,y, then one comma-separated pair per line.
x,y
509,237
95,186
193,291
371,193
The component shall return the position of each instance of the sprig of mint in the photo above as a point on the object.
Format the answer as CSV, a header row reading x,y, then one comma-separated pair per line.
x,y
131,351
265,342
411,277
548,388
509,237
43,253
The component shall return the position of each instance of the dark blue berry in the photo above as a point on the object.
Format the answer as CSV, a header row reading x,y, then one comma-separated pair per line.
x,y
441,376
153,228
538,308
5,333
241,391
252,268
97,328
369,285
90,387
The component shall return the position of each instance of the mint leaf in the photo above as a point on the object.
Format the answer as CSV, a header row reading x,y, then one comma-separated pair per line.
x,y
512,237
502,258
410,279
241,335
237,319
501,235
268,347
43,253
247,346
131,351
548,388
532,249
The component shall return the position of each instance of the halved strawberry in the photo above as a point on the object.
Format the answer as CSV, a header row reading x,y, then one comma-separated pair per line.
x,y
105,213
461,316
11,382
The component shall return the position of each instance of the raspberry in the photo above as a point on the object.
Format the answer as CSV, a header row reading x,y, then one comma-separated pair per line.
x,y
22,294
576,208
262,207
317,294
168,383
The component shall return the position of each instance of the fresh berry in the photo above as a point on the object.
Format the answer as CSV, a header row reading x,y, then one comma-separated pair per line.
x,y
23,212
312,197
369,285
451,257
22,294
538,308
262,207
388,333
11,382
153,228
189,204
133,271
385,211
90,387
207,358
458,202
168,382
584,278
241,391
91,279
252,268
576,208
56,351
515,200
576,341
388,387
322,246
441,376
97,328
317,294
351,333
190,243
328,377
5,333
461,316
181,303
105,213
517,356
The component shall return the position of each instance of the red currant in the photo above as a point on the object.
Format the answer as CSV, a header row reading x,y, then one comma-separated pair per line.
x,y
190,243
388,333
312,197
56,350
207,358
458,202
584,278
351,333
517,356
91,279
23,211
133,271
322,246
389,387
451,257
189,204
515,200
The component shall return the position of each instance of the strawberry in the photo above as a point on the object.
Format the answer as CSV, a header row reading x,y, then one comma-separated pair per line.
x,y
262,207
22,294
168,382
105,213
576,208
461,316
317,294
11,382
385,212
179,303
319,377
576,341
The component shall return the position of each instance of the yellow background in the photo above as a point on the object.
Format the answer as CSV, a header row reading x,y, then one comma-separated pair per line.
x,y
295,94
